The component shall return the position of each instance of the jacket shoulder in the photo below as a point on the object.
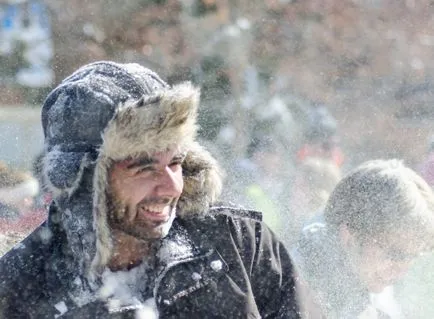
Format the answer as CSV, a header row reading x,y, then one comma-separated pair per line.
x,y
221,223
237,212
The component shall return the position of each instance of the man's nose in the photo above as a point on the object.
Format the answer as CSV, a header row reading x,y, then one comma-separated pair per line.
x,y
170,183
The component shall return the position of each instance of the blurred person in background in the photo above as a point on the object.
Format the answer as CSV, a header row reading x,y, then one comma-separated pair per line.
x,y
314,180
317,169
133,229
264,182
378,220
320,137
17,192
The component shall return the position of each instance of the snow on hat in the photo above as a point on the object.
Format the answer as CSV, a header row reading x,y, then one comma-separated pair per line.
x,y
106,112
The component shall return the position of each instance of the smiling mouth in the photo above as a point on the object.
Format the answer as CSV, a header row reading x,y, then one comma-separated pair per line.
x,y
155,213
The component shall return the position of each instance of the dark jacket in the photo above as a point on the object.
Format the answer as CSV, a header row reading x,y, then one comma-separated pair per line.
x,y
220,265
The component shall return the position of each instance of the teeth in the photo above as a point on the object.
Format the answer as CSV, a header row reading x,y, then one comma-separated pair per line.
x,y
155,209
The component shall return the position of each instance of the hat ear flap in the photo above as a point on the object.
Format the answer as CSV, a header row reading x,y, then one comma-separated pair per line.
x,y
202,181
63,171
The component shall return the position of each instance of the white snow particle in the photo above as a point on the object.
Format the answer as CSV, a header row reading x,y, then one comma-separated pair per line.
x,y
243,23
149,310
45,235
216,265
61,307
196,277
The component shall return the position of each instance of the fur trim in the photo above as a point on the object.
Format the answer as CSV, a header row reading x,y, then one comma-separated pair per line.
x,y
104,243
143,128
202,181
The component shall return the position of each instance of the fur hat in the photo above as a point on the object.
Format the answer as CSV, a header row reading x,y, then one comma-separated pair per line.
x,y
105,112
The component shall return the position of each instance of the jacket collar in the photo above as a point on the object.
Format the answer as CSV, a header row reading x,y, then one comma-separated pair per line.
x,y
177,246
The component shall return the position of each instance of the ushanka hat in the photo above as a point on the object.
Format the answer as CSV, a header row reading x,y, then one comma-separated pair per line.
x,y
106,112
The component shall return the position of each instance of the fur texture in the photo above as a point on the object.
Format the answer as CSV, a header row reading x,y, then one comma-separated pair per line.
x,y
143,127
150,125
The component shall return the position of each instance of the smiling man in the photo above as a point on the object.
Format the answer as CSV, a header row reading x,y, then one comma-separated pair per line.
x,y
145,193
143,197
133,231
377,221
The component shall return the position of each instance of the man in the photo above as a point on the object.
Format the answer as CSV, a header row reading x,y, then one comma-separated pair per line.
x,y
130,232
321,139
377,221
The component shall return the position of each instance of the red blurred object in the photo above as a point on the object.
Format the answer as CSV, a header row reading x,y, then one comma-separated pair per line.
x,y
23,224
28,221
310,150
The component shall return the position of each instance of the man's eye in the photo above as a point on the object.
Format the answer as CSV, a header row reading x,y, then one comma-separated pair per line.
x,y
144,169
175,163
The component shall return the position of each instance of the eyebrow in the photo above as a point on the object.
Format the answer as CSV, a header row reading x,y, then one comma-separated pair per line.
x,y
144,161
179,157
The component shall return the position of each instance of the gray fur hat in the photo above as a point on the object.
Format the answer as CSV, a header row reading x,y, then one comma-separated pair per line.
x,y
105,112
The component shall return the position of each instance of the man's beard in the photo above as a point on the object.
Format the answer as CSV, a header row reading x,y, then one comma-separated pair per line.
x,y
124,218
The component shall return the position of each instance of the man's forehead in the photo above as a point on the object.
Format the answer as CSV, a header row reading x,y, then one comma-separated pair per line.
x,y
153,157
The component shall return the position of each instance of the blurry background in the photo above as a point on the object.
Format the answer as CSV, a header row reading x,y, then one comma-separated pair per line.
x,y
371,62
282,81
